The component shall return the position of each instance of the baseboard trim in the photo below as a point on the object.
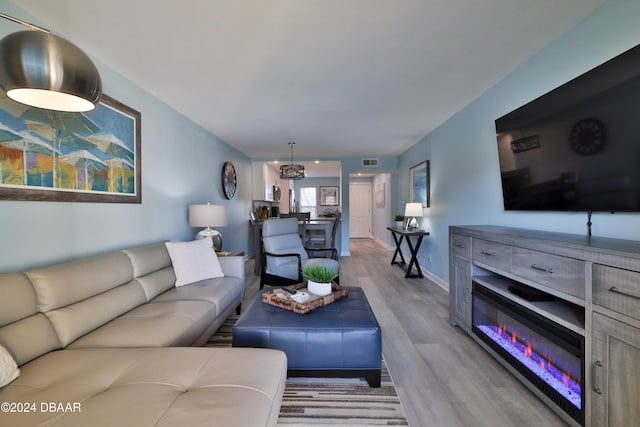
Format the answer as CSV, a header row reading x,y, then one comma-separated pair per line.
x,y
382,243
435,279
425,271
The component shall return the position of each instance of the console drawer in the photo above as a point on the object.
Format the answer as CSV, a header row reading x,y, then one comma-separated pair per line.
x,y
492,254
461,245
561,273
624,297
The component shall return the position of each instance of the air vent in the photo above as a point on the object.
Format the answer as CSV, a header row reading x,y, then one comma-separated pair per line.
x,y
370,163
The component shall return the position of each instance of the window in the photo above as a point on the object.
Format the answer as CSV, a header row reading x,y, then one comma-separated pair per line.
x,y
308,200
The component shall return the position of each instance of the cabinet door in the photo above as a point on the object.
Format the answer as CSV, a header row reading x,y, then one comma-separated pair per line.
x,y
615,373
460,295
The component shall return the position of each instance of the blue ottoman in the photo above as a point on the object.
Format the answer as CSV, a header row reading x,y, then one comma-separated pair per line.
x,y
341,339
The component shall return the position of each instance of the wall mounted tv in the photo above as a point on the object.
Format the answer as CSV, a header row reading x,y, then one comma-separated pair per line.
x,y
576,148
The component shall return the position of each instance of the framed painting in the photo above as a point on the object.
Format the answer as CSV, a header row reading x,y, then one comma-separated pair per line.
x,y
329,196
379,195
70,157
419,184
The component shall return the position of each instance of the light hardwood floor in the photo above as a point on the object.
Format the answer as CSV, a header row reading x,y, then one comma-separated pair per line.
x,y
443,377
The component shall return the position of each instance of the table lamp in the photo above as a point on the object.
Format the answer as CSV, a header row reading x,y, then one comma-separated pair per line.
x,y
208,216
412,210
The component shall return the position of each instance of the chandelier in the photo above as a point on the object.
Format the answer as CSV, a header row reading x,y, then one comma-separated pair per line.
x,y
291,171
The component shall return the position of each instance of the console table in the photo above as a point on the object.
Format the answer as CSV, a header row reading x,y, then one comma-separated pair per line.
x,y
399,234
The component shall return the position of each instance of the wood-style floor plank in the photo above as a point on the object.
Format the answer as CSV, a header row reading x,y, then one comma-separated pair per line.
x,y
443,377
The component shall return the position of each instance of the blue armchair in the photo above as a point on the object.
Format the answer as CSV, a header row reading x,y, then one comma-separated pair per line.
x,y
284,255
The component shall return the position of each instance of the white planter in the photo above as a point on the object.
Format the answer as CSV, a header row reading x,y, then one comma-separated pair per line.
x,y
399,223
320,289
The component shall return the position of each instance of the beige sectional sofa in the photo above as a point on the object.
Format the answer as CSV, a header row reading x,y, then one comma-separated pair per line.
x,y
101,341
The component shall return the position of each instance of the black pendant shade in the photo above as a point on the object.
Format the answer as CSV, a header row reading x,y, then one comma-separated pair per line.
x,y
291,171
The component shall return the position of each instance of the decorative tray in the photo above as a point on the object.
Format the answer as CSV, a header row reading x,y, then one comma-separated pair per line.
x,y
283,299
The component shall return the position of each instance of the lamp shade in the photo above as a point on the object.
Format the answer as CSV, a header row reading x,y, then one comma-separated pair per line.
x,y
47,71
413,209
207,215
292,171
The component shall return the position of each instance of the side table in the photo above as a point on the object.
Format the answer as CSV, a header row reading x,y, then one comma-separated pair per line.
x,y
399,234
227,253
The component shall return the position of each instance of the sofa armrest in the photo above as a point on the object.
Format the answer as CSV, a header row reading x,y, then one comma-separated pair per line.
x,y
233,266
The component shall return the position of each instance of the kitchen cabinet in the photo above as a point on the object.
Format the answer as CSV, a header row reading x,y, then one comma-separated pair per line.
x,y
264,177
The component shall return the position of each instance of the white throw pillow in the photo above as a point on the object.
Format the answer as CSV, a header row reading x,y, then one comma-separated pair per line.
x,y
194,261
8,367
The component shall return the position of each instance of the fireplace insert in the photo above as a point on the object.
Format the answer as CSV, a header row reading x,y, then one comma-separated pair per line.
x,y
548,355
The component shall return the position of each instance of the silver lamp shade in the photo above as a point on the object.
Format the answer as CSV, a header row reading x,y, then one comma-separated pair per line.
x,y
46,71
208,216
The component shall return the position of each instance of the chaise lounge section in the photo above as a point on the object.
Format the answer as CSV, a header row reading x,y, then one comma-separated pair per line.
x,y
103,339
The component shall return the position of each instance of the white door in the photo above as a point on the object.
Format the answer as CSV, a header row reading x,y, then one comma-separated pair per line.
x,y
360,209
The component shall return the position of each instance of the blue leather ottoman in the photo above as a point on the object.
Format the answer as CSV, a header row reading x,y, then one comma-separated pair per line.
x,y
341,339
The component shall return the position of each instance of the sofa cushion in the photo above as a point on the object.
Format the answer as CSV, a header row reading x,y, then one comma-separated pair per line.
x,y
148,258
29,338
8,367
18,298
62,284
194,261
157,282
152,268
144,387
155,324
25,333
75,320
221,291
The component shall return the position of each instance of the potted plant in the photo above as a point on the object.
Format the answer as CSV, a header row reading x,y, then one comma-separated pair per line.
x,y
319,279
399,219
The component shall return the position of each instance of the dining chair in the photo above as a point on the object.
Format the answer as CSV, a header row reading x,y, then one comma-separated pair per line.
x,y
317,242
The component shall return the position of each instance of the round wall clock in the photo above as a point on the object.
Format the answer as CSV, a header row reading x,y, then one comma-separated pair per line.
x,y
229,180
588,136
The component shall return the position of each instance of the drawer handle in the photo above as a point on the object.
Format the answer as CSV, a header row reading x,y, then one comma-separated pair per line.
x,y
459,245
546,270
623,292
594,376
488,253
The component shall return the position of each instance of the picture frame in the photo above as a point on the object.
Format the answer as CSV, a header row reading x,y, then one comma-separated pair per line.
x,y
419,184
379,195
70,157
330,196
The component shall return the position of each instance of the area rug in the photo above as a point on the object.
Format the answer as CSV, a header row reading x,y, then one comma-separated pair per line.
x,y
331,402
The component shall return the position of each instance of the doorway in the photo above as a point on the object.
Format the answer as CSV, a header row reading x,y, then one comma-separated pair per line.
x,y
360,210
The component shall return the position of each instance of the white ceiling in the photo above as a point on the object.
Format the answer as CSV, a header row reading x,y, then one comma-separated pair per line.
x,y
341,78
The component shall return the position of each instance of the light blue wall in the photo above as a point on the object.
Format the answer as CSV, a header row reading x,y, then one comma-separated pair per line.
x,y
319,182
465,179
382,216
353,164
181,164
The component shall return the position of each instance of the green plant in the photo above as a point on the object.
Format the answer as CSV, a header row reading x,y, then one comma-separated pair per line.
x,y
399,218
319,273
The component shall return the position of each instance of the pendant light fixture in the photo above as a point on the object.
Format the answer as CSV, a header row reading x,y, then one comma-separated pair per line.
x,y
291,171
43,70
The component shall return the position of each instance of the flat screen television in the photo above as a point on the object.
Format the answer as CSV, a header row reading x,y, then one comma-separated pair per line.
x,y
576,148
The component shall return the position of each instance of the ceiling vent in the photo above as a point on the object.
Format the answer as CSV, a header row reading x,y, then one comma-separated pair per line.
x,y
370,163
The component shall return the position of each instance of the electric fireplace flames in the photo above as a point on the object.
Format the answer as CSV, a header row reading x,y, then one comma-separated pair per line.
x,y
548,355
